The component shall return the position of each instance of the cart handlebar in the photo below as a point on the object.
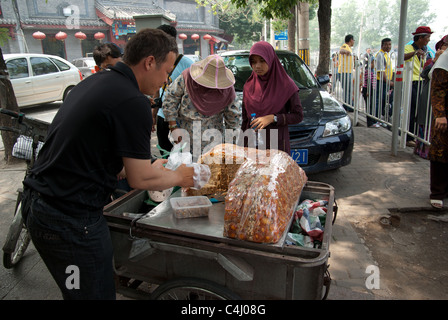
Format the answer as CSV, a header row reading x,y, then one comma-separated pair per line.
x,y
25,125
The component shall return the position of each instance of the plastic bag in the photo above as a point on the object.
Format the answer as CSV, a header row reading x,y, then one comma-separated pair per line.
x,y
262,198
201,175
223,160
23,148
309,219
178,157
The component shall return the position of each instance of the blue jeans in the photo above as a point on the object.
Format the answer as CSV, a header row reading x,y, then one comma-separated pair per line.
x,y
77,250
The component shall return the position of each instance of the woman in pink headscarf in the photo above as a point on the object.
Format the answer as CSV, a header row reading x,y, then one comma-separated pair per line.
x,y
272,95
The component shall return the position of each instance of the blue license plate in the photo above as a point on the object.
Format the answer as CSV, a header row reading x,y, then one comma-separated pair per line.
x,y
300,156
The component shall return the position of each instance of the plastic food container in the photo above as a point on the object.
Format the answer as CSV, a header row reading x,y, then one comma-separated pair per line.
x,y
159,196
190,207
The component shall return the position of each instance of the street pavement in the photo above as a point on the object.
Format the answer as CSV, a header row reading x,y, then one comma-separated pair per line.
x,y
373,183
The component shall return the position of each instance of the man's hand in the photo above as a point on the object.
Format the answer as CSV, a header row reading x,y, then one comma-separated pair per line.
x,y
186,176
159,164
420,53
441,124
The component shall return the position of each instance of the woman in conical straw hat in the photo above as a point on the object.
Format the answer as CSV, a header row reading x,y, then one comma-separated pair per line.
x,y
203,94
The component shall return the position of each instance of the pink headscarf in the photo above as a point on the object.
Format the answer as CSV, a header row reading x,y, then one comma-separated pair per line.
x,y
441,42
206,100
267,94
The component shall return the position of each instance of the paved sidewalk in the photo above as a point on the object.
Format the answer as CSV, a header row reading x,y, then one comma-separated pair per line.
x,y
374,182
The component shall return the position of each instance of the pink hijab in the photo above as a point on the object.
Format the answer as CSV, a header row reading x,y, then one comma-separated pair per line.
x,y
206,100
267,94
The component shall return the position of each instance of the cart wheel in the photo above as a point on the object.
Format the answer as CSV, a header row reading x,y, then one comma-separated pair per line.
x,y
192,289
21,237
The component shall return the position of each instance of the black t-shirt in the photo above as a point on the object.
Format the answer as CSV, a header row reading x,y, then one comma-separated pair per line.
x,y
104,118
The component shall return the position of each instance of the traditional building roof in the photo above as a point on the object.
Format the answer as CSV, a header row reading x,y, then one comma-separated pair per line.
x,y
127,10
7,22
29,23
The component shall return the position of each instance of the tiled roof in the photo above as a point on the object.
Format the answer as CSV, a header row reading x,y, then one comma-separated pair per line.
x,y
7,21
62,22
126,10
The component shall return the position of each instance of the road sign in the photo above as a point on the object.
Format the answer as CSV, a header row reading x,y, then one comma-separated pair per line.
x,y
282,35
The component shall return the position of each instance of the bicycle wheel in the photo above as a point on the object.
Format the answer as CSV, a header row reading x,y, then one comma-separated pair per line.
x,y
192,289
17,240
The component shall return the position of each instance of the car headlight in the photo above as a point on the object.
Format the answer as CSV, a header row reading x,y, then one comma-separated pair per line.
x,y
337,126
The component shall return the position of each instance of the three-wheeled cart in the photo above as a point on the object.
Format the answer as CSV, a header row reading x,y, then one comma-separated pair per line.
x,y
191,259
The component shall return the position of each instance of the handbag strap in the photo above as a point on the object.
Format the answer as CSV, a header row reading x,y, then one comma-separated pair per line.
x,y
169,75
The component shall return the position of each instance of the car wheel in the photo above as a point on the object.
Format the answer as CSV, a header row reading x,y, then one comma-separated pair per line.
x,y
67,91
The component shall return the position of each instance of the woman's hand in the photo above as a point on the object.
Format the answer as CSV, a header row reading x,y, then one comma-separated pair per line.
x,y
441,124
262,122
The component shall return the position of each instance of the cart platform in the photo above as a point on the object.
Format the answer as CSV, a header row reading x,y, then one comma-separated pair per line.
x,y
153,246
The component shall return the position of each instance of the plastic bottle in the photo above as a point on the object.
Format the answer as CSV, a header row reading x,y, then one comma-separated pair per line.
x,y
259,139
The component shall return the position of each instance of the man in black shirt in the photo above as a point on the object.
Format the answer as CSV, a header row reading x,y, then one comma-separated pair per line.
x,y
104,124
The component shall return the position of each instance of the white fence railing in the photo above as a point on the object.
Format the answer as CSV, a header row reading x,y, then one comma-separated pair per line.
x,y
364,91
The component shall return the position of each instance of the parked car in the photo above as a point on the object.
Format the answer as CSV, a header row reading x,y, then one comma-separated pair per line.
x,y
85,65
324,139
40,78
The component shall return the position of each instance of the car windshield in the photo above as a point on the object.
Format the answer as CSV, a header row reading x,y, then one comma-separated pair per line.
x,y
294,66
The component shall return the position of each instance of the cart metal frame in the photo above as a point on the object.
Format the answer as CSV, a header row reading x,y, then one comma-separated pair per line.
x,y
230,268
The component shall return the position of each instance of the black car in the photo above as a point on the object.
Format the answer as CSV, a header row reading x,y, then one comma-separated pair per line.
x,y
324,139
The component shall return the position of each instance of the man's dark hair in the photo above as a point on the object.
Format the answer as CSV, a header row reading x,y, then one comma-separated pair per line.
x,y
349,37
417,37
385,40
149,42
168,29
101,52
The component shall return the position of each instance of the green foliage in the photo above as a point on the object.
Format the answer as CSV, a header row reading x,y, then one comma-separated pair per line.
x,y
374,20
4,36
244,19
244,24
270,9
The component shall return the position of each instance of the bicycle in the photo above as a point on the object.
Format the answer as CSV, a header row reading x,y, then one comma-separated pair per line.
x,y
32,134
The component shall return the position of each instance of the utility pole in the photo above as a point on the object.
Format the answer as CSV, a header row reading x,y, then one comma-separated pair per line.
x,y
398,86
303,31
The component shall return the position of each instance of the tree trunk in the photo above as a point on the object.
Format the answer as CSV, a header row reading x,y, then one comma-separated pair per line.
x,y
7,101
324,16
292,31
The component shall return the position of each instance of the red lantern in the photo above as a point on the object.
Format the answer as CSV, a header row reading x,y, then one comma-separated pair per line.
x,y
195,36
182,36
80,35
39,35
99,36
207,37
61,36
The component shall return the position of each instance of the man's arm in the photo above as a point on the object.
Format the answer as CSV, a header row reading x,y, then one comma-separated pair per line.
x,y
143,175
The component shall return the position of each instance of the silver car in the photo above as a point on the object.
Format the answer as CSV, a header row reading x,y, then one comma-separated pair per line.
x,y
85,65
40,78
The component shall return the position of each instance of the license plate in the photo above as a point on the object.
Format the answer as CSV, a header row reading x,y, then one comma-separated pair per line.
x,y
300,156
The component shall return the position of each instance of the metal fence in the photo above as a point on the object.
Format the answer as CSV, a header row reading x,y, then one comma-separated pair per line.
x,y
360,85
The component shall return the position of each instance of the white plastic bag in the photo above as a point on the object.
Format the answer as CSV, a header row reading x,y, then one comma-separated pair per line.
x,y
178,156
201,176
23,148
